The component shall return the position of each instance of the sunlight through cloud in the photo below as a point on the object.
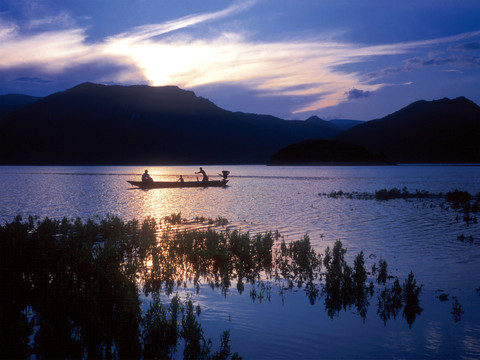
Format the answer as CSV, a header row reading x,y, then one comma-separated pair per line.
x,y
160,54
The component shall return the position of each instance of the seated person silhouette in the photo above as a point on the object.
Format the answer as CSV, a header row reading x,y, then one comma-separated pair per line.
x,y
146,177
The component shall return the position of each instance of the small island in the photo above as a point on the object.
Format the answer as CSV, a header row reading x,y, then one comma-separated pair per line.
x,y
325,152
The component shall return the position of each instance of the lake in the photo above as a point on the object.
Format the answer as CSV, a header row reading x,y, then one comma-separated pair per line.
x,y
418,235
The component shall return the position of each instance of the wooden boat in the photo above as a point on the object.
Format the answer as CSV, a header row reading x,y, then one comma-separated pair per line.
x,y
177,184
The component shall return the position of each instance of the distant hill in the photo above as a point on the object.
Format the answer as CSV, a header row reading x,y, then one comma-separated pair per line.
x,y
301,128
336,124
440,131
99,124
316,151
12,102
345,124
316,120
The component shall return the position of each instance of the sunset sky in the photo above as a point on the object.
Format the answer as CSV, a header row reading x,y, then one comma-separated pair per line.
x,y
289,58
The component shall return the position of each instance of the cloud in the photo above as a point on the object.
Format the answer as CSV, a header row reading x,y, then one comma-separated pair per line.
x,y
451,60
161,54
7,30
354,94
52,51
379,74
467,47
61,19
146,32
460,56
36,80
425,62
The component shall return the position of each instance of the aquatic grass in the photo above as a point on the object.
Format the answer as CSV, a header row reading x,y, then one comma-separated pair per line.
x,y
360,290
218,221
359,274
457,199
338,283
74,290
81,281
174,218
196,346
468,239
297,263
410,298
382,272
160,333
262,251
382,194
443,297
348,195
464,202
457,310
390,301
225,352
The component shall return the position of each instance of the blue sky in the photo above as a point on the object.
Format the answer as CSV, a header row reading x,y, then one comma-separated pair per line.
x,y
292,59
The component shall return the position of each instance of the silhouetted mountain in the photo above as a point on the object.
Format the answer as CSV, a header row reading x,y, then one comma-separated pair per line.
x,y
282,129
316,151
12,102
98,124
317,121
345,124
440,131
336,124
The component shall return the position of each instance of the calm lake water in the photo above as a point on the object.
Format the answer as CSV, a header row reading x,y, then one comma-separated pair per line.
x,y
419,235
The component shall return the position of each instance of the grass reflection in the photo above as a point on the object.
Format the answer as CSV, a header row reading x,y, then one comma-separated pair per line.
x,y
73,286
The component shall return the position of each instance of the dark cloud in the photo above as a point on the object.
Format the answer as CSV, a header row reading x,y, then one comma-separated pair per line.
x,y
467,47
358,94
420,62
454,60
383,72
457,60
36,80
459,56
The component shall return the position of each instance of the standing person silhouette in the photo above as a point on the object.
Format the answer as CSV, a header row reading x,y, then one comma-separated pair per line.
x,y
205,177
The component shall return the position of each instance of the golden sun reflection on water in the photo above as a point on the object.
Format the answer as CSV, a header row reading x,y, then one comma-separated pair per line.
x,y
159,203
169,267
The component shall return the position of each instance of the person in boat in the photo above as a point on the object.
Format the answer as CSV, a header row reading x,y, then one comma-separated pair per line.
x,y
205,177
146,177
180,179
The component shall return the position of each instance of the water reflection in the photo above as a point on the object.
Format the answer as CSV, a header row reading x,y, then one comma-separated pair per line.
x,y
101,266
267,264
409,234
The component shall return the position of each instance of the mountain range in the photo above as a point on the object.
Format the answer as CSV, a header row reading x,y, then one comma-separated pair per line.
x,y
11,102
439,131
325,152
113,125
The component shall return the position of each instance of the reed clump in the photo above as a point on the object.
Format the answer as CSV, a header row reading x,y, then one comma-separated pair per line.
x,y
74,286
298,263
74,292
458,200
174,218
457,310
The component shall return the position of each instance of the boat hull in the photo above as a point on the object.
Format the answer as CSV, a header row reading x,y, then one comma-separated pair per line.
x,y
177,184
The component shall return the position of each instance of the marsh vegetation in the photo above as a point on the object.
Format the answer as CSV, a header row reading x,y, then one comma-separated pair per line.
x,y
466,205
72,288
